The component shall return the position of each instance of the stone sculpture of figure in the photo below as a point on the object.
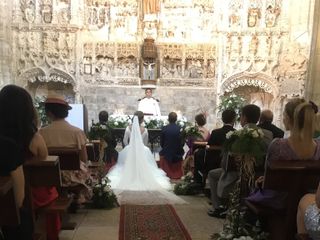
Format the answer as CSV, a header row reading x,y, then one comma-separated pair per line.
x,y
253,47
271,15
234,19
148,70
151,6
254,15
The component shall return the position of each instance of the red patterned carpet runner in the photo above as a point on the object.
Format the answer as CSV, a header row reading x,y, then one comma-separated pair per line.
x,y
151,222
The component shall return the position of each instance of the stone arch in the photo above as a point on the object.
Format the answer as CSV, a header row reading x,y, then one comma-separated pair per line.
x,y
44,75
261,80
262,89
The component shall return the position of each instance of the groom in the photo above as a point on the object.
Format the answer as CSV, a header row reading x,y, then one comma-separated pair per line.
x,y
172,151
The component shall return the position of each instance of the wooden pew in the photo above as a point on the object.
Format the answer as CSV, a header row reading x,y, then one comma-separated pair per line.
x,y
69,157
46,174
9,211
296,178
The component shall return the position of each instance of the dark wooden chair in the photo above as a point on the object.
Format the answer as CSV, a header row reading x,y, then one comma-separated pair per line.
x,y
9,211
296,178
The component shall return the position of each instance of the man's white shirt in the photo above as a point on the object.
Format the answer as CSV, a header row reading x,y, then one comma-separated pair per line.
x,y
149,106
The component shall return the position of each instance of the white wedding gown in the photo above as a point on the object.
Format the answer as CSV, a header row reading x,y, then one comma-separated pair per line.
x,y
136,178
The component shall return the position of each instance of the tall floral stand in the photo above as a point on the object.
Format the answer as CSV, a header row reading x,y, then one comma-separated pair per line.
x,y
236,225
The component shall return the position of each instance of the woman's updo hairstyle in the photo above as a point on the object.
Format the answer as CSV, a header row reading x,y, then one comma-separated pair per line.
x,y
200,119
302,115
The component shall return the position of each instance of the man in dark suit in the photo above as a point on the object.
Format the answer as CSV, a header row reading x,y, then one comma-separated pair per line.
x,y
172,149
265,122
222,180
110,152
210,158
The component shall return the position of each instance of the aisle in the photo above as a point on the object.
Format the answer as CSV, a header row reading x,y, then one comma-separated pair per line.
x,y
96,224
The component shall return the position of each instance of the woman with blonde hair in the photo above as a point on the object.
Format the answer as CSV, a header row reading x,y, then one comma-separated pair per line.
x,y
299,118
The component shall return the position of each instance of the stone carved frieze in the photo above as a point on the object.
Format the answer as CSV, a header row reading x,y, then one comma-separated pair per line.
x,y
263,81
174,82
128,49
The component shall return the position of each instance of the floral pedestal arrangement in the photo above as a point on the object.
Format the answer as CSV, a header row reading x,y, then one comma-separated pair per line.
x,y
103,196
247,148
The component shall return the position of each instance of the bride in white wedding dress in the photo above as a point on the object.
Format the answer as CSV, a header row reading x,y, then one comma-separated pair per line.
x,y
136,178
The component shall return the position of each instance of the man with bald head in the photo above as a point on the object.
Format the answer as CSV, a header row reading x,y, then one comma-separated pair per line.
x,y
265,122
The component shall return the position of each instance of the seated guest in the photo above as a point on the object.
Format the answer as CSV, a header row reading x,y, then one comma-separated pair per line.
x,y
172,151
222,179
18,125
201,122
188,163
144,131
213,152
299,119
61,134
308,216
110,153
265,122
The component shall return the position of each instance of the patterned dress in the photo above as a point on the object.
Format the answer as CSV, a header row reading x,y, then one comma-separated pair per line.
x,y
62,134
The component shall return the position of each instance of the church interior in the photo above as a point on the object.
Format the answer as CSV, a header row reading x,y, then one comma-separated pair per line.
x,y
194,56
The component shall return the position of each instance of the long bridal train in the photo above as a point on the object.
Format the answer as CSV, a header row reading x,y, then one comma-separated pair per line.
x,y
136,178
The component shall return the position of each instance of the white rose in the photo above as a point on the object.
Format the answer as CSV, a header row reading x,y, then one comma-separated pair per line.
x,y
103,126
229,134
116,123
255,134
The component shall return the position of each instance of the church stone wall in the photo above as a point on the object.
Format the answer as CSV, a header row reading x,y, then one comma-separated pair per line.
x,y
204,47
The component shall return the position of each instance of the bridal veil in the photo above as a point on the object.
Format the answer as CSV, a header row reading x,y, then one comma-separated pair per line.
x,y
136,178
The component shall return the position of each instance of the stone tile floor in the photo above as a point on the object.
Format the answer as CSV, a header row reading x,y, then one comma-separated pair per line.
x,y
96,224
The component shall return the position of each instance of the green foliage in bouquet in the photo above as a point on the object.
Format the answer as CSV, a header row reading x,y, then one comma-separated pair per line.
x,y
103,196
38,103
153,123
186,186
246,141
236,226
232,101
99,131
190,131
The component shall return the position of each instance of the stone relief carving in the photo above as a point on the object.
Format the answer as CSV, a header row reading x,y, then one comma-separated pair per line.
x,y
28,8
46,11
186,45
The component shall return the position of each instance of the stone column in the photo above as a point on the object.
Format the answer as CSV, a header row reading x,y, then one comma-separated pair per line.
x,y
313,80
5,43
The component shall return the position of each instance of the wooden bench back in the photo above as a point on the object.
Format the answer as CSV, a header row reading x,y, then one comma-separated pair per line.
x,y
9,212
69,157
296,178
43,173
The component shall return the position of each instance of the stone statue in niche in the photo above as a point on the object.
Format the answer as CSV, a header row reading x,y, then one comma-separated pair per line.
x,y
46,13
272,14
149,70
28,9
234,19
253,47
254,15
210,69
150,30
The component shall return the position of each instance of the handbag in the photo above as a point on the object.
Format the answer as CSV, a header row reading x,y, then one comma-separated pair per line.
x,y
268,198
